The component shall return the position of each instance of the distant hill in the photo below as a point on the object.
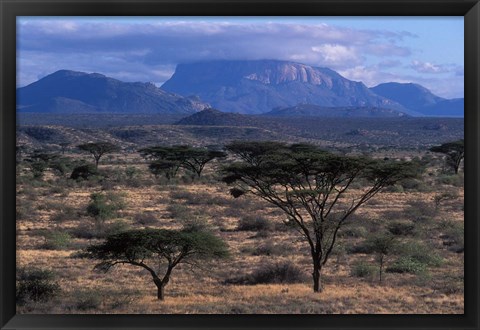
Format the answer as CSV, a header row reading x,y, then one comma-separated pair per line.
x,y
310,110
254,87
78,92
213,117
420,99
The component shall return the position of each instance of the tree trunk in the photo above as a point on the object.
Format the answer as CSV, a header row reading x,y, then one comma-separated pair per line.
x,y
161,292
160,288
317,279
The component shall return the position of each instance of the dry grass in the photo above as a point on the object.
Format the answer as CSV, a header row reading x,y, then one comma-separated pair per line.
x,y
130,290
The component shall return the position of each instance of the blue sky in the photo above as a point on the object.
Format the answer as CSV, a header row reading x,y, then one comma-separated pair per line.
x,y
424,50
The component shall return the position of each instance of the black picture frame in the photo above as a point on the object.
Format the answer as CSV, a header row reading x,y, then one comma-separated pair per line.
x,y
10,9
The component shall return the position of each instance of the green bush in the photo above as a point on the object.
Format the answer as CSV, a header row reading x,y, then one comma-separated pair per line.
x,y
456,180
89,231
453,235
104,206
36,285
407,265
56,240
421,253
363,269
356,232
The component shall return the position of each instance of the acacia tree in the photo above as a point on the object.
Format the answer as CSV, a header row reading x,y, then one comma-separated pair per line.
x,y
190,158
312,187
382,245
39,161
158,251
454,152
98,149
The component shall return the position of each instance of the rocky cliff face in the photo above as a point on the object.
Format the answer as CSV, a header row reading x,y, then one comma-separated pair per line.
x,y
259,86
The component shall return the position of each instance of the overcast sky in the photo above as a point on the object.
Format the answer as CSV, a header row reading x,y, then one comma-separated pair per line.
x,y
424,50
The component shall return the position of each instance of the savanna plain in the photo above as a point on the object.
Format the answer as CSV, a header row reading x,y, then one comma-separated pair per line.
x,y
400,252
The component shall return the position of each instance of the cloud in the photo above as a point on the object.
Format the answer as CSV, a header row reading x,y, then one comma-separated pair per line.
x,y
334,54
373,76
427,67
140,50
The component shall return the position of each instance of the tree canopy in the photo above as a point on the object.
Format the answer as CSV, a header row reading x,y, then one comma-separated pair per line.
x,y
158,251
454,152
169,159
98,149
313,187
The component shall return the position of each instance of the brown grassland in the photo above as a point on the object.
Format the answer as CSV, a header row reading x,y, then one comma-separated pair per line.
x,y
53,226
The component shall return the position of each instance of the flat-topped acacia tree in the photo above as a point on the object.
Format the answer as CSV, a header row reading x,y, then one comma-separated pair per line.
x,y
312,186
454,153
170,159
158,251
98,149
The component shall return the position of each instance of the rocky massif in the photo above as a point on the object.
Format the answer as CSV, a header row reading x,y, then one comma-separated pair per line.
x,y
254,87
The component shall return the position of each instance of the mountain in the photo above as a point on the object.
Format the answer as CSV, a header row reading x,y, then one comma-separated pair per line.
x,y
254,87
420,99
310,110
78,92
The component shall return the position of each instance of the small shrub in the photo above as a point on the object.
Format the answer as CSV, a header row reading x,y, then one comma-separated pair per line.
x,y
284,272
36,285
415,185
394,189
421,253
356,232
453,235
89,231
401,228
87,300
178,211
145,218
64,214
84,172
269,249
104,206
56,240
456,180
255,223
420,212
407,265
363,270
131,172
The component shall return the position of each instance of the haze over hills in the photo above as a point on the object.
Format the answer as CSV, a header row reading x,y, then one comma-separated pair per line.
x,y
254,87
78,92
420,99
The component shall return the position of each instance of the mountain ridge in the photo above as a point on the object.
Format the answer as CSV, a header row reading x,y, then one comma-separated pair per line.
x,y
67,91
420,99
